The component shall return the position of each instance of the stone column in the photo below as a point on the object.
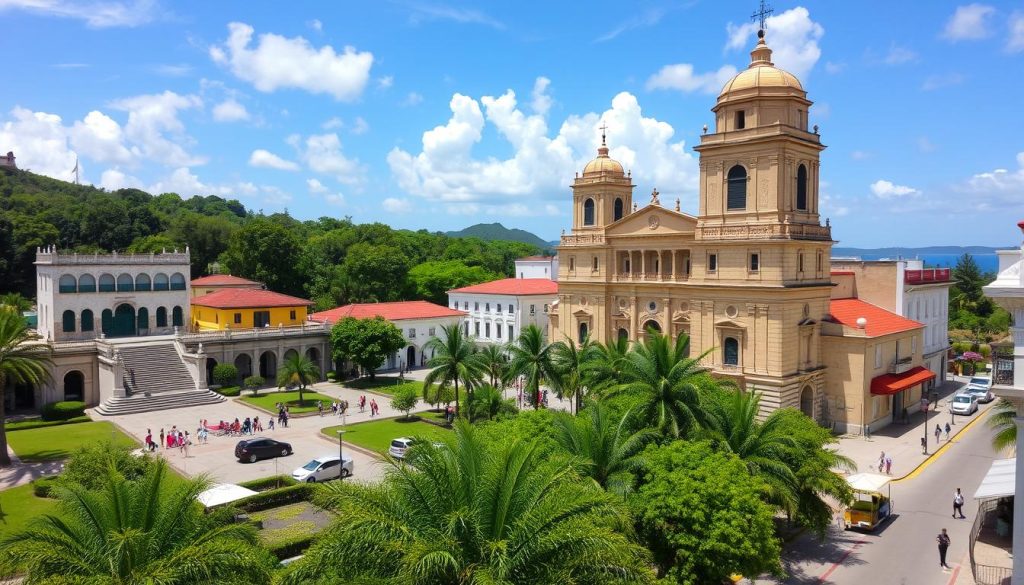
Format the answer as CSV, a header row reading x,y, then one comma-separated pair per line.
x,y
633,321
643,263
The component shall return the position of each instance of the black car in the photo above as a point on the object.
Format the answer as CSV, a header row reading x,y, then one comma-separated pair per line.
x,y
259,448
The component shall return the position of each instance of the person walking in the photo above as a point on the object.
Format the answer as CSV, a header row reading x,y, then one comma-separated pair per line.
x,y
948,429
881,462
943,540
320,407
958,504
161,437
888,465
938,433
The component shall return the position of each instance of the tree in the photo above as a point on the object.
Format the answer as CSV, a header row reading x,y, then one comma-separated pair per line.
x,y
453,361
23,360
89,465
533,358
366,342
1004,437
494,364
225,375
405,399
968,278
667,383
16,301
435,394
253,383
374,273
605,369
604,447
433,279
300,370
150,530
700,514
488,403
571,363
469,512
266,252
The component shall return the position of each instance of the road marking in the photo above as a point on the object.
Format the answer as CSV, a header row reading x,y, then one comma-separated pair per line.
x,y
956,572
836,564
945,447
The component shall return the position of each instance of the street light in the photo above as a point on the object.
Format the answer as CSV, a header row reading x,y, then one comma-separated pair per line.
x,y
341,455
924,440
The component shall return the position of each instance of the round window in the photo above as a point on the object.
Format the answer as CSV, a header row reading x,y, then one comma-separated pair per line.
x,y
731,312
652,306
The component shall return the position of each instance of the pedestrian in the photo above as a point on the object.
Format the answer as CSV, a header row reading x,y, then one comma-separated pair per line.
x,y
958,504
924,445
943,540
161,437
270,423
320,407
948,429
149,440
888,465
938,433
881,462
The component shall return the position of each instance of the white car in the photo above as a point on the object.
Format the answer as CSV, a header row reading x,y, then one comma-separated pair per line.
x,y
981,388
323,469
964,404
399,446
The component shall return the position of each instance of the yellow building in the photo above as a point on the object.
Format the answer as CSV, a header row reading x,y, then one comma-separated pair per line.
x,y
240,308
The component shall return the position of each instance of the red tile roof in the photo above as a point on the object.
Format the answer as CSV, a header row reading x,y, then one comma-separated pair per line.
x,y
512,286
247,298
391,311
888,384
222,279
879,321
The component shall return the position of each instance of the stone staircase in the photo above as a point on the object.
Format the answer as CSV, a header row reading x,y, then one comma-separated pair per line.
x,y
163,401
155,379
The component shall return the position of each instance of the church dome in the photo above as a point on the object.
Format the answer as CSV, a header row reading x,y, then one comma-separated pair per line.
x,y
762,76
603,163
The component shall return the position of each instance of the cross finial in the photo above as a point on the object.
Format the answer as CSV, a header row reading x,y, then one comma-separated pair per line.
x,y
761,15
604,127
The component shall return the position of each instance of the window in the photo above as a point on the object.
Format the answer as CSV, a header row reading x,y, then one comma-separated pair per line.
x,y
819,261
238,318
510,337
107,283
476,329
498,327
177,317
142,282
67,284
430,332
143,318
741,120
801,188
69,321
712,262
177,281
160,282
732,352
465,327
86,283
737,189
755,262
497,307
125,283
260,318
412,333
800,262
161,317
623,334
487,330
511,309
487,307
583,332
291,314
588,212
476,306
532,310
617,212
465,305
545,307
87,320
595,264
878,356
572,264
913,345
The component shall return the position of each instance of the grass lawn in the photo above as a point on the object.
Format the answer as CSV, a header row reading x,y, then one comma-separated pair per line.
x,y
59,442
377,435
19,505
384,384
291,398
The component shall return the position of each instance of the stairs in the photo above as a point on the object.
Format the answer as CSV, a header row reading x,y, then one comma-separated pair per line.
x,y
154,369
162,401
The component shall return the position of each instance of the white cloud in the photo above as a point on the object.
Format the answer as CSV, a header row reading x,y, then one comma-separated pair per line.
x,y
792,36
681,77
541,101
997,189
648,18
395,205
96,14
360,126
332,123
277,62
970,22
834,68
832,205
426,11
151,117
1015,43
316,25
322,153
385,82
925,145
265,159
413,99
230,110
40,142
860,155
887,190
933,82
176,70
315,186
899,55
183,182
101,138
114,179
446,171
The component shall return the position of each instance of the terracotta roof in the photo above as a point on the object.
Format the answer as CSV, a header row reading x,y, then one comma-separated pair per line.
x,y
222,279
879,321
512,286
888,384
247,298
391,311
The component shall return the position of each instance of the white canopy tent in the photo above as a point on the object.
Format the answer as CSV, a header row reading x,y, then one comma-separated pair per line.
x,y
868,482
1000,480
223,493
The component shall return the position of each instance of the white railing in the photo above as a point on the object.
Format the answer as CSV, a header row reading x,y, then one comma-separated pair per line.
x,y
114,258
308,328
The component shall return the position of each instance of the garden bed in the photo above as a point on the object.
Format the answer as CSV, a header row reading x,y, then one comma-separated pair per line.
x,y
383,384
377,435
268,401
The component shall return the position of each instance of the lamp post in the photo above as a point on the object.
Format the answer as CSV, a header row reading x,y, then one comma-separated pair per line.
x,y
341,455
924,440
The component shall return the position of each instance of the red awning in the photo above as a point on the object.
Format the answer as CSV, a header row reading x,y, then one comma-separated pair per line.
x,y
893,383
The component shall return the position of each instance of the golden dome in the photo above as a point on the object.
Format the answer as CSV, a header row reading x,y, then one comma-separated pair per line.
x,y
603,163
762,74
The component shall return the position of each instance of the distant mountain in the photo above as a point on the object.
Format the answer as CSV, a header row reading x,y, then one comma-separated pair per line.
x,y
496,231
914,252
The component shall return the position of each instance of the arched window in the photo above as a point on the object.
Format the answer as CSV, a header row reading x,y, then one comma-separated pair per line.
x,y
142,282
623,334
588,212
67,284
107,283
618,208
801,188
177,319
68,321
737,195
732,352
106,321
74,385
161,317
160,282
125,283
87,320
143,318
583,332
86,283
177,281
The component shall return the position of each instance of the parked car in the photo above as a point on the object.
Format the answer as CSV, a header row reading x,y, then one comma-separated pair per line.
x,y
399,446
324,468
964,403
981,388
257,448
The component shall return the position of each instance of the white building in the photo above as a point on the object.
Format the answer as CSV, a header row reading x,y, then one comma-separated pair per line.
x,y
537,267
418,320
907,288
499,310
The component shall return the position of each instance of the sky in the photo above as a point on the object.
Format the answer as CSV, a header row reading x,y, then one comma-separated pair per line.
x,y
442,114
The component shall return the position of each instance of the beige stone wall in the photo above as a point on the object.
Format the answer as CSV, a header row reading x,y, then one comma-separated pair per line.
x,y
876,281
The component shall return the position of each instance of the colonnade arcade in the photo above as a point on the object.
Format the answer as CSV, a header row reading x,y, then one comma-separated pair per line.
x,y
652,265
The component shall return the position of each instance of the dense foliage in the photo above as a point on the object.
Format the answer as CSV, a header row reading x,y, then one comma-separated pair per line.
x,y
21,362
365,342
969,309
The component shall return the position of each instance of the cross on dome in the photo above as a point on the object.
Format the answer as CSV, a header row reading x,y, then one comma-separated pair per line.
x,y
761,15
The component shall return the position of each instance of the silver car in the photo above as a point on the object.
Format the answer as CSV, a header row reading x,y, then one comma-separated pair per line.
x,y
981,388
323,469
963,404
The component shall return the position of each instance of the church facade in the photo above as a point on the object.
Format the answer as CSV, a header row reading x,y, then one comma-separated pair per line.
x,y
747,278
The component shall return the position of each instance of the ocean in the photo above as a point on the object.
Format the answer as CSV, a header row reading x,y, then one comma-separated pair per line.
x,y
987,262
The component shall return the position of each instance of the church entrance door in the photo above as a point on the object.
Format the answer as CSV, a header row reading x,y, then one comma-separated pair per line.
x,y
124,321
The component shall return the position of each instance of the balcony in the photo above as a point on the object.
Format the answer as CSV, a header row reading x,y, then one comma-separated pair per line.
x,y
582,239
901,365
786,231
648,277
926,276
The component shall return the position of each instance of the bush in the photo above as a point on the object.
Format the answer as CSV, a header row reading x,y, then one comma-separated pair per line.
x,y
64,410
332,375
38,423
89,465
292,547
43,486
438,394
228,391
225,374
404,399
269,483
961,346
985,351
254,383
274,498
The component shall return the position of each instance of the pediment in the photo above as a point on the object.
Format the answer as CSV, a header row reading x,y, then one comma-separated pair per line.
x,y
653,219
680,317
729,324
806,322
581,313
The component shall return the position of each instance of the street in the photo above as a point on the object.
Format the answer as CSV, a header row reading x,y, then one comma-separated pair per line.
x,y
904,550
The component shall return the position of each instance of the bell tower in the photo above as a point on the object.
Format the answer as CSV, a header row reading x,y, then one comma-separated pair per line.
x,y
603,194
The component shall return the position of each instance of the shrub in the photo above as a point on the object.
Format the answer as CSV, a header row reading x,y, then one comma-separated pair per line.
x,y
268,483
88,466
43,486
225,374
961,346
274,498
228,391
254,383
63,410
292,547
985,351
404,399
38,423
332,375
438,394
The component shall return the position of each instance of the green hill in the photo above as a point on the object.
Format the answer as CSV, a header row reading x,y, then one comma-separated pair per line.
x,y
496,231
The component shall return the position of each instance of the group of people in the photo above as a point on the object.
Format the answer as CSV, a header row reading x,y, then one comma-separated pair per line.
x,y
338,407
282,416
247,427
174,439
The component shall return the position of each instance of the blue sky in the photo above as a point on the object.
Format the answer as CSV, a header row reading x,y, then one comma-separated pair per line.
x,y
443,114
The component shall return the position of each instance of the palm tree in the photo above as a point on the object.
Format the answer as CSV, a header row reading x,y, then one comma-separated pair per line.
x,y
487,402
467,512
453,362
533,359
494,363
16,301
149,530
602,446
668,384
571,362
1002,422
298,369
23,360
605,370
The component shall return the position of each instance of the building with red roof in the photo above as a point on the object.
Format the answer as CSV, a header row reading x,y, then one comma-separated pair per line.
x,y
537,267
498,310
207,284
246,308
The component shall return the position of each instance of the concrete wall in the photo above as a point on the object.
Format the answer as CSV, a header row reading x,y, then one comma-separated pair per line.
x,y
209,318
483,311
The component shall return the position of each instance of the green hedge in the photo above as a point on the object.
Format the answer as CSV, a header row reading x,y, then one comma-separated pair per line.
x,y
229,391
268,483
225,374
42,486
38,423
64,410
292,547
274,498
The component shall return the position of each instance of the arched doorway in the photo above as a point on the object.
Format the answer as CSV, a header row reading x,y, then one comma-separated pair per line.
x,y
210,364
583,332
807,401
74,385
268,366
652,328
623,334
410,356
124,321
314,356
243,363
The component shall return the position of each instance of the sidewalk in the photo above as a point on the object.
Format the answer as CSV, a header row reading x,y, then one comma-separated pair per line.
x,y
902,442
